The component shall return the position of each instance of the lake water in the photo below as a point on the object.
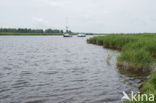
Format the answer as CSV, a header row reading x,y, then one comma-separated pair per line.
x,y
53,69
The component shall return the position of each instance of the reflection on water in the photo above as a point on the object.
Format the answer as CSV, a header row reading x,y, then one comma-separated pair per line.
x,y
53,69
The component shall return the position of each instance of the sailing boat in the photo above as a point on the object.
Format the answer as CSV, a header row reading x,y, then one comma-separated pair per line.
x,y
81,35
67,33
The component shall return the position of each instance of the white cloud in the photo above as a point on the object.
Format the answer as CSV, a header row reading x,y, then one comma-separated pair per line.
x,y
84,15
52,3
39,20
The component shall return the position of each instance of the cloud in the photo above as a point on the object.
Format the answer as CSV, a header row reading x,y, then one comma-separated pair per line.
x,y
52,3
39,22
84,15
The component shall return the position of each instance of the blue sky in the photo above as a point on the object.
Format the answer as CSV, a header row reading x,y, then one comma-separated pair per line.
x,y
101,16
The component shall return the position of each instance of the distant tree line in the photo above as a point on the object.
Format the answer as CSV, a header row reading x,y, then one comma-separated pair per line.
x,y
26,30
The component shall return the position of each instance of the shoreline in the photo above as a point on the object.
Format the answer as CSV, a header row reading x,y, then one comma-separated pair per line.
x,y
137,55
38,34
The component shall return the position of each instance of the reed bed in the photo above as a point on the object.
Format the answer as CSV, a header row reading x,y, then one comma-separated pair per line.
x,y
138,54
137,51
149,87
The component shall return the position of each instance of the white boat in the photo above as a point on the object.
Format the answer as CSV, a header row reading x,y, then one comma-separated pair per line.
x,y
67,35
81,35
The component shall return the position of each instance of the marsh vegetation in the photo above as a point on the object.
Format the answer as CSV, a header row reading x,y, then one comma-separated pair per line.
x,y
138,54
137,51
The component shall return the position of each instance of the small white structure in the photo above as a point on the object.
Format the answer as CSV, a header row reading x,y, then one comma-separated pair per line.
x,y
67,35
81,35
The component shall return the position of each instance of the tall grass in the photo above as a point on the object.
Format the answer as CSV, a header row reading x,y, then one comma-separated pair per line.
x,y
137,51
149,87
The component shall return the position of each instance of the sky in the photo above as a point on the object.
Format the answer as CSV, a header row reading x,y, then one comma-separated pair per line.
x,y
96,16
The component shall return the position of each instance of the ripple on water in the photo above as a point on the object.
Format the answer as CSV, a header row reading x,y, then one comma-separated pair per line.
x,y
7,68
52,69
20,83
49,72
36,101
26,73
1,75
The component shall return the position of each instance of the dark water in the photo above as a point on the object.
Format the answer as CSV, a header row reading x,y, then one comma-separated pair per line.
x,y
53,69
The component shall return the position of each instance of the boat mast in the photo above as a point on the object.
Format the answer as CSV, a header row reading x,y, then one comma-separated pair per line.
x,y
67,29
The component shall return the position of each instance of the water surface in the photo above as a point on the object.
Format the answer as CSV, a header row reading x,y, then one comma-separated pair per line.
x,y
53,69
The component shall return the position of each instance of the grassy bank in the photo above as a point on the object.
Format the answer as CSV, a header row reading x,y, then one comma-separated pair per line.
x,y
138,54
148,88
